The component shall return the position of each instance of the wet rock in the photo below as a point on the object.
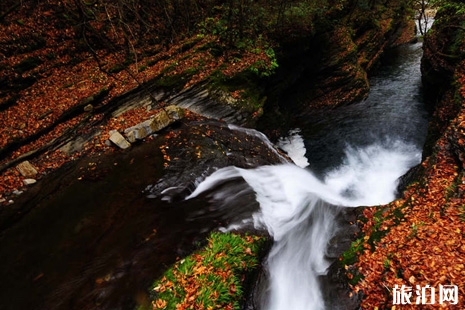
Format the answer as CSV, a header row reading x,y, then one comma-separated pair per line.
x,y
161,120
215,104
107,209
119,140
26,169
200,147
410,176
28,182
76,145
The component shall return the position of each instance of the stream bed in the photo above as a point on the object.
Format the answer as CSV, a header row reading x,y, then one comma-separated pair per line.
x,y
349,157
95,238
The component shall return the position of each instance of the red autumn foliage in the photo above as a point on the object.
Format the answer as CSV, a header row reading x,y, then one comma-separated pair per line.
x,y
426,246
46,69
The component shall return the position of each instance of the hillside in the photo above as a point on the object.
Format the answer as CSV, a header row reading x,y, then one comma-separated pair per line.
x,y
418,240
66,67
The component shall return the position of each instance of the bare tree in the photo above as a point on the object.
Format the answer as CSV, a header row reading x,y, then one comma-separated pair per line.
x,y
422,16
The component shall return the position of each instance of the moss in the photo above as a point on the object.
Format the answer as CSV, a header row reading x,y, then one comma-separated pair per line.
x,y
175,81
212,277
350,257
246,83
116,68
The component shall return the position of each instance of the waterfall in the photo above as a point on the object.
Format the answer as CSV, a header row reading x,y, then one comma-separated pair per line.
x,y
294,146
347,157
298,210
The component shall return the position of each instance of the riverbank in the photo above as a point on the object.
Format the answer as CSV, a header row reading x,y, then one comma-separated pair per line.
x,y
45,107
417,241
54,89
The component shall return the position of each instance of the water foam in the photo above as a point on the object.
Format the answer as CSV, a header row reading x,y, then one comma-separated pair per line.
x,y
294,146
297,209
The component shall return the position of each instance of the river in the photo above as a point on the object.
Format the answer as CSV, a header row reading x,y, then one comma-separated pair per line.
x,y
351,156
98,241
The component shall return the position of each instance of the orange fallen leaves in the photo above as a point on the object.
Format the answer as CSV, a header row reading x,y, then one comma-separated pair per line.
x,y
65,74
426,245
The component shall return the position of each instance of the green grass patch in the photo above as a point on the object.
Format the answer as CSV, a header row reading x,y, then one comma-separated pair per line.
x,y
211,278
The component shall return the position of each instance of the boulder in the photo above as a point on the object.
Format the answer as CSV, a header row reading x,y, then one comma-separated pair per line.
x,y
29,181
26,169
174,112
159,121
119,140
131,136
141,133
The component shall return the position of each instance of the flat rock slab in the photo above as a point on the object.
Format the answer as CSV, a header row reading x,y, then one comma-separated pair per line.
x,y
26,169
29,181
159,121
119,140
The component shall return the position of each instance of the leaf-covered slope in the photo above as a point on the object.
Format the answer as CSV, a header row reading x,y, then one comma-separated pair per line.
x,y
419,239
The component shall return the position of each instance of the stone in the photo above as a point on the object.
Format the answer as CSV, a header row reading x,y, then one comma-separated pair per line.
x,y
159,121
131,136
89,108
174,112
75,145
17,192
26,169
119,140
141,133
137,132
29,181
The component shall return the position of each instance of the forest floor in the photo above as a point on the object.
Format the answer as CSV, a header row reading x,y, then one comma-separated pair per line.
x,y
53,86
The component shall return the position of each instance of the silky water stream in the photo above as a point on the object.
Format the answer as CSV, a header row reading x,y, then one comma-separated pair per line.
x,y
348,157
98,241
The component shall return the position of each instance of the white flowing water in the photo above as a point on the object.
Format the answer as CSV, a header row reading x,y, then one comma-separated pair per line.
x,y
294,146
295,208
354,156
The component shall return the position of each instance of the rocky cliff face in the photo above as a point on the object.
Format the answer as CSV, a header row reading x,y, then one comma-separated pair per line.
x,y
442,70
346,53
331,68
101,227
418,239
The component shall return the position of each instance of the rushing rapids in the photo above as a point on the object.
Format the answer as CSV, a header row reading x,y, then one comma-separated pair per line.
x,y
298,210
378,141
